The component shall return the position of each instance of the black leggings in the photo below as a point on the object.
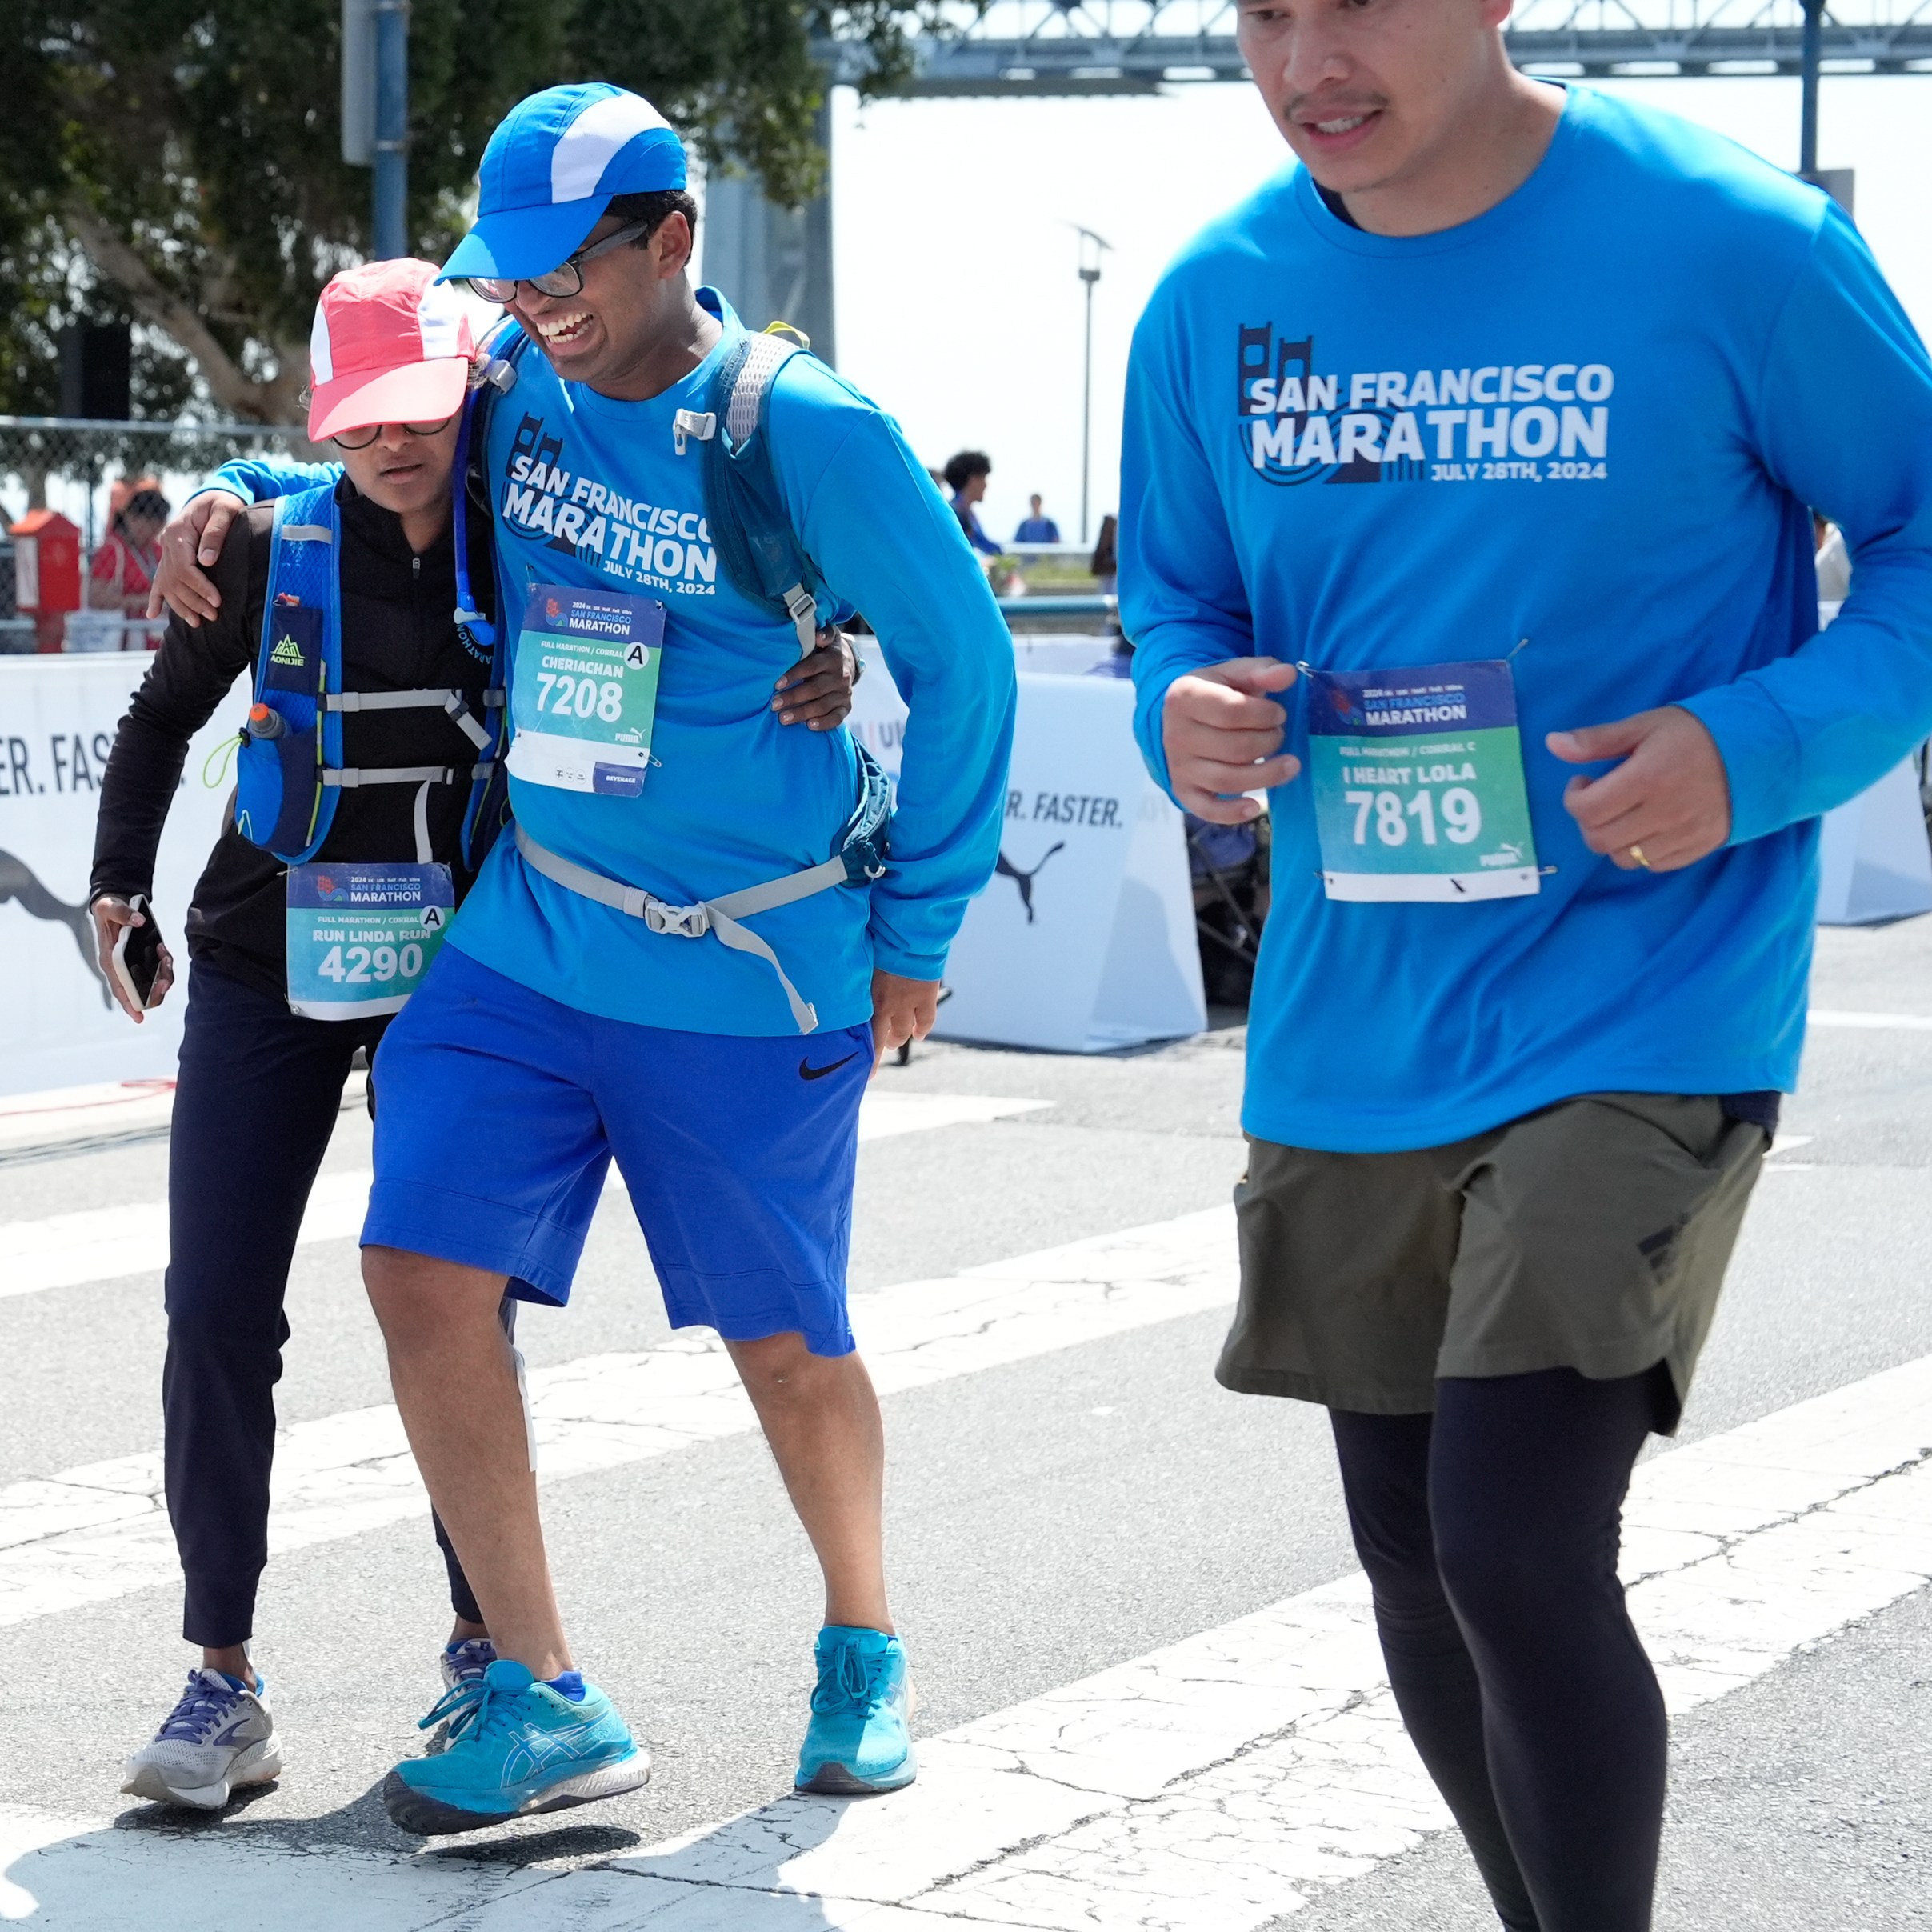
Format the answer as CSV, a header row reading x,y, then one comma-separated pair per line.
x,y
1489,1534
258,1093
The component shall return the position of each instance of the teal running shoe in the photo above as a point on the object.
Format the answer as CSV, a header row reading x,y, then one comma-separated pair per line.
x,y
515,1746
857,1743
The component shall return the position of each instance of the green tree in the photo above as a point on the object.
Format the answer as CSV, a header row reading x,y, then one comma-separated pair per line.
x,y
178,160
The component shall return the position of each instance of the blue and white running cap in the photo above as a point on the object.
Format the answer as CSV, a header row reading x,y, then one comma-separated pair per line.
x,y
551,169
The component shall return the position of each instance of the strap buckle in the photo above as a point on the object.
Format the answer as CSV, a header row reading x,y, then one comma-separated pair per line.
x,y
864,860
688,423
679,922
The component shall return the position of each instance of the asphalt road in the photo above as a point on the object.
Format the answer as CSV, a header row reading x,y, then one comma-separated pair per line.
x,y
1048,1517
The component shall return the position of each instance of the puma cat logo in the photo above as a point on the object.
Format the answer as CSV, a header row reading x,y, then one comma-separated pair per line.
x,y
17,883
1007,869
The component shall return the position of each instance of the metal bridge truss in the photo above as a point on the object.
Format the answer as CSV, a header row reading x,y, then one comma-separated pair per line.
x,y
1137,46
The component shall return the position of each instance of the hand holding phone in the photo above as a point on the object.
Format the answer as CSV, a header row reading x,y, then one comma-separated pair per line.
x,y
138,966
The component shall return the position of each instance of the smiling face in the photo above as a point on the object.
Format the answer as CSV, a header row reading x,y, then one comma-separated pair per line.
x,y
633,299
408,475
1372,94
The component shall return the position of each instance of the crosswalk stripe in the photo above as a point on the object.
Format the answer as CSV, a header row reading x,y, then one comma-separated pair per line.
x,y
1207,1787
104,1243
102,1531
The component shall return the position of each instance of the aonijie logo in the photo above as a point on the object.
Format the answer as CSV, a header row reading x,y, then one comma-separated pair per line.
x,y
1492,422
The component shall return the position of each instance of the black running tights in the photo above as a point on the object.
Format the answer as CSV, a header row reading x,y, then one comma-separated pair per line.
x,y
1489,1532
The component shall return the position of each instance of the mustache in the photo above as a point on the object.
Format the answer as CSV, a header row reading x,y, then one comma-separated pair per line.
x,y
1315,107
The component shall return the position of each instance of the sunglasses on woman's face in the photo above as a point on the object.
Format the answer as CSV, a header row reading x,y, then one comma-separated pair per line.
x,y
361,438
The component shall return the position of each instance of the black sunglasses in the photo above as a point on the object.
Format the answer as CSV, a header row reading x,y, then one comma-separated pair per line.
x,y
361,438
566,280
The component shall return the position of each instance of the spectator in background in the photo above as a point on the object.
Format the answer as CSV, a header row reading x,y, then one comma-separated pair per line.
x,y
1104,565
124,566
1037,528
966,476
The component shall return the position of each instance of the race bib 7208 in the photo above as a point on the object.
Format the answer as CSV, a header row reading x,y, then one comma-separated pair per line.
x,y
584,689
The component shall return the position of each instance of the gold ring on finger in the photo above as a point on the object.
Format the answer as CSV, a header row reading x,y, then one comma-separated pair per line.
x,y
1637,854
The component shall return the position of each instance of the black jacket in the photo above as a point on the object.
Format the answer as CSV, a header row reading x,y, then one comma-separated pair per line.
x,y
397,634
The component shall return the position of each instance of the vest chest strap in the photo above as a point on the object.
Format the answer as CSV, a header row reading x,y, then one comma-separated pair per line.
x,y
353,777
454,703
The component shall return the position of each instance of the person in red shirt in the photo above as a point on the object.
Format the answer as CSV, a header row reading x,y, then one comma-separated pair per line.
x,y
123,569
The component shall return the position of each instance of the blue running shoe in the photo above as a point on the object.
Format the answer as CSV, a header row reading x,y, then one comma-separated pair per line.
x,y
516,1746
857,1742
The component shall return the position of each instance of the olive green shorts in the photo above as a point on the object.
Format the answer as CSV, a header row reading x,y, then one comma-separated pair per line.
x,y
1593,1235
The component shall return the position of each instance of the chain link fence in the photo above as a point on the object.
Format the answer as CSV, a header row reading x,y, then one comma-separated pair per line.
x,y
80,470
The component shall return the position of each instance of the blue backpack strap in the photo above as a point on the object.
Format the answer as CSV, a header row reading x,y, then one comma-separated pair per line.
x,y
280,801
488,809
760,551
501,350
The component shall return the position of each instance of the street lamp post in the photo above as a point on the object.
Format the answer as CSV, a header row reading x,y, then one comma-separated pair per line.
x,y
391,183
1090,247
376,113
1813,42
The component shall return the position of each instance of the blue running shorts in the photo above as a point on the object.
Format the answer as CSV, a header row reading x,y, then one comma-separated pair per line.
x,y
498,1111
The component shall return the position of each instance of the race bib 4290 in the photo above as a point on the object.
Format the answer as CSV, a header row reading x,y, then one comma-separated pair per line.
x,y
360,937
1418,783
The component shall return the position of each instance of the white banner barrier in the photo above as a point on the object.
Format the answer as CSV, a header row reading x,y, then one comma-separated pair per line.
x,y
57,715
1874,860
1085,938
1084,941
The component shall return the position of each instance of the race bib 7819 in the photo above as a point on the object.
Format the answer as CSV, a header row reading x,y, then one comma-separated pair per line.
x,y
1418,783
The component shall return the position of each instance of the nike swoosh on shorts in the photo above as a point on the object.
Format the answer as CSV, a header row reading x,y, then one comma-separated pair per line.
x,y
806,1071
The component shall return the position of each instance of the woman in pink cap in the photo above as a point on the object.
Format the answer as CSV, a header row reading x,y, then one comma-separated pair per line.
x,y
364,805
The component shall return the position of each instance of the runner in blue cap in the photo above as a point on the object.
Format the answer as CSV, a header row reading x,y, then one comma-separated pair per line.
x,y
692,953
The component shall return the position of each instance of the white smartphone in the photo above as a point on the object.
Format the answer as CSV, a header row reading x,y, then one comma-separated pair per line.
x,y
136,955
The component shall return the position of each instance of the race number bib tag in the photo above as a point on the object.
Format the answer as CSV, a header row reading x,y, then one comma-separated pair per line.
x,y
585,690
1418,783
360,937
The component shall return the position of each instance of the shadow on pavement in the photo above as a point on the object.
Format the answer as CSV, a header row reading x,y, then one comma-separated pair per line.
x,y
161,1871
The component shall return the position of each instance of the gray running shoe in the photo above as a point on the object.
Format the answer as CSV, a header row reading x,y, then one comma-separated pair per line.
x,y
463,1662
217,1738
466,1662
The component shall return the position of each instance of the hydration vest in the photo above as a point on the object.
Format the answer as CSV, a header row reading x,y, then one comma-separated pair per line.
x,y
755,542
766,564
288,781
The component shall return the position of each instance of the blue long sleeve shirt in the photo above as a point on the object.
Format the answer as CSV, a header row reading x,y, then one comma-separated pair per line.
x,y
1597,418
591,493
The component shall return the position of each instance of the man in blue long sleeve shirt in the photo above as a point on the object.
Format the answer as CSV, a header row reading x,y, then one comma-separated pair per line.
x,y
1467,482
608,995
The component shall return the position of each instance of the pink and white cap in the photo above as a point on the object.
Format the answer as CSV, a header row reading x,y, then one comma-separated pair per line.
x,y
390,344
